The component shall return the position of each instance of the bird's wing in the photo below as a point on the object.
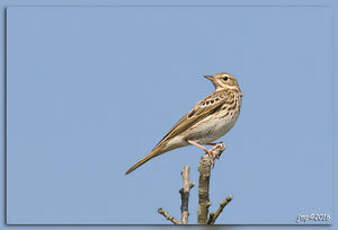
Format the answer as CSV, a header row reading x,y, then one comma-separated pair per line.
x,y
201,110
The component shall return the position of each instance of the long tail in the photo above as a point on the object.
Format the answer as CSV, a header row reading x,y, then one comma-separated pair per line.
x,y
154,153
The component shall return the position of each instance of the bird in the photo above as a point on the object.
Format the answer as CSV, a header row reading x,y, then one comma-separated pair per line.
x,y
210,119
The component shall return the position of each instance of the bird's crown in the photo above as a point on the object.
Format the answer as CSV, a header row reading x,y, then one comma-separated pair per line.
x,y
223,80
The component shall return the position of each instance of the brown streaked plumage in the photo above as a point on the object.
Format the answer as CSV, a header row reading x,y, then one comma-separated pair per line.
x,y
208,120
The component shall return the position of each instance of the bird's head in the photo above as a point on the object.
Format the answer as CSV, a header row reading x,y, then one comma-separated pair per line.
x,y
223,81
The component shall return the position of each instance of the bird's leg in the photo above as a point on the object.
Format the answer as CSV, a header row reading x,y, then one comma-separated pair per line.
x,y
208,151
194,143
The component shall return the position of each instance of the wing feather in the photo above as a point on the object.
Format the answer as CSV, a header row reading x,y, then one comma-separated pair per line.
x,y
201,110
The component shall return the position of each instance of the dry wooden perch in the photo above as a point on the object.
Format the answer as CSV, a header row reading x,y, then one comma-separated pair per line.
x,y
204,169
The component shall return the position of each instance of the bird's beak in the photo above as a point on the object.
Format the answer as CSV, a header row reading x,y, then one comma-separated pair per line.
x,y
209,77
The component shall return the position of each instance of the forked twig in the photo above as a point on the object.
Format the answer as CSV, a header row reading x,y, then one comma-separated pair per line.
x,y
213,215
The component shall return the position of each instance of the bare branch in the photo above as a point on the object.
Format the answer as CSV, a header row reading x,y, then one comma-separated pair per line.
x,y
168,216
204,181
185,192
213,215
204,169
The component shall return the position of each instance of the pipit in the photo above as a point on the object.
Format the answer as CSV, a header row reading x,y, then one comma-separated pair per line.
x,y
210,119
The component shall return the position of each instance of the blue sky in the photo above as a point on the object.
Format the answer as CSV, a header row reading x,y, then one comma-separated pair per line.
x,y
98,87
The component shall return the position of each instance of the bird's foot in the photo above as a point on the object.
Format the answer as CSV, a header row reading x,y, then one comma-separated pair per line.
x,y
211,152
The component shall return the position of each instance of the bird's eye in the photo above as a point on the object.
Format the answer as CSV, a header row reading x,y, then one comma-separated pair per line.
x,y
225,78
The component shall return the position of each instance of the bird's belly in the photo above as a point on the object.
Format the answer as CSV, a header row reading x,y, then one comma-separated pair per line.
x,y
210,130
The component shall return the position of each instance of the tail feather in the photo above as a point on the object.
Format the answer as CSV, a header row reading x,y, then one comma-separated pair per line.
x,y
151,155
